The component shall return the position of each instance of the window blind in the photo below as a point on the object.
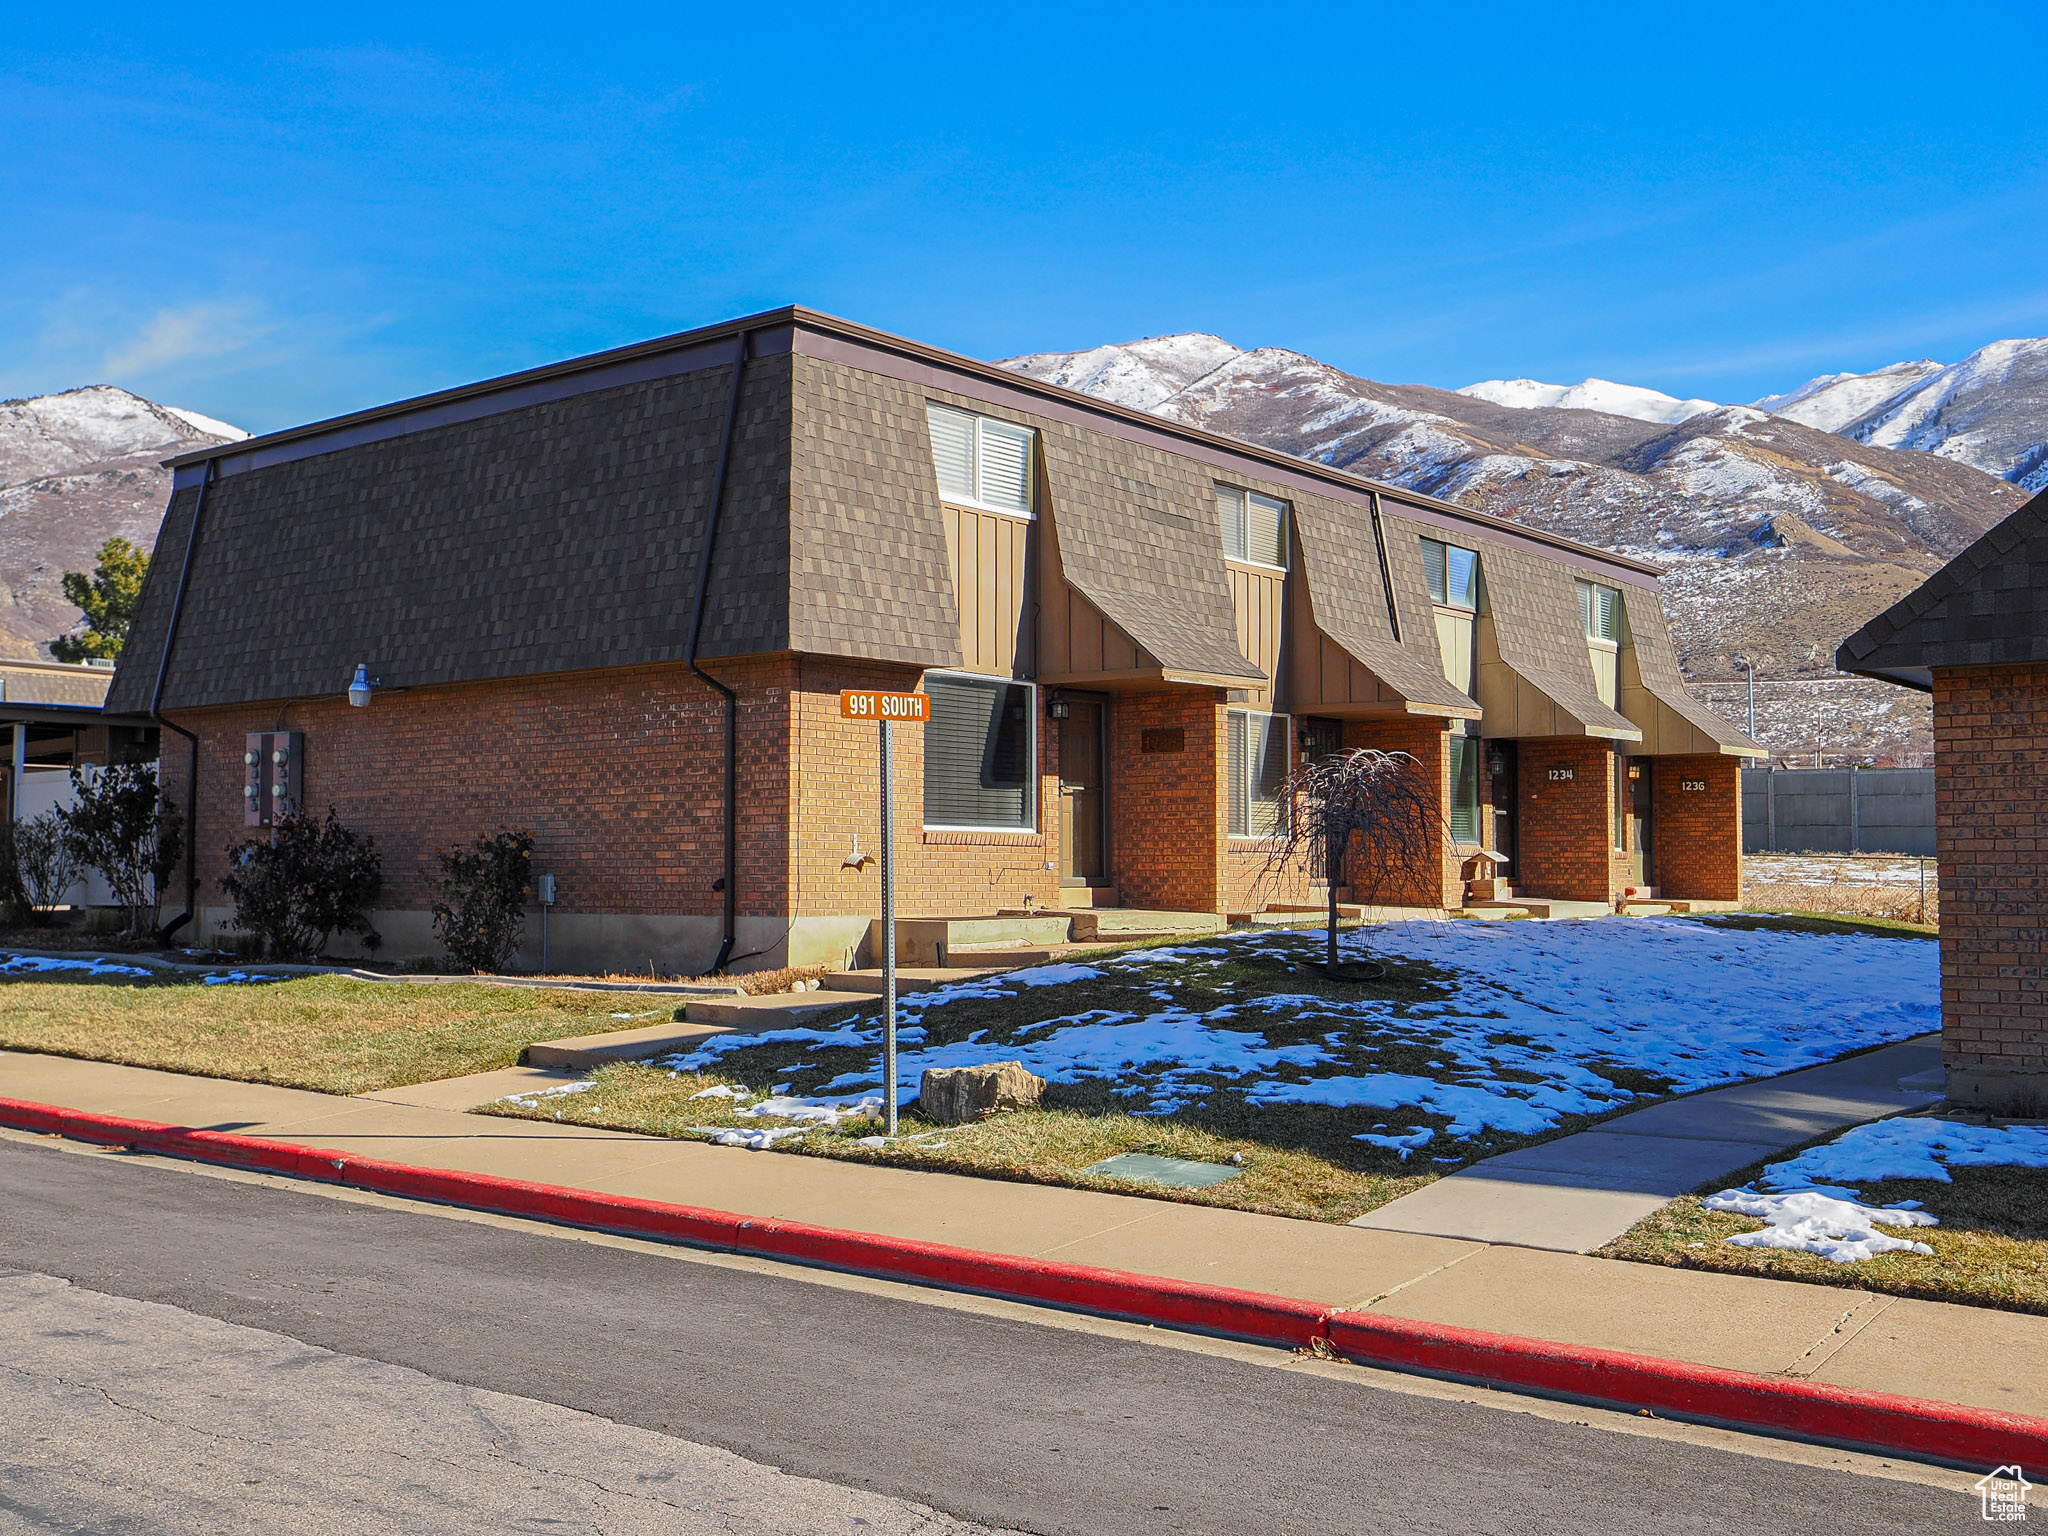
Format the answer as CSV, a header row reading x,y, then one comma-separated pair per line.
x,y
1004,478
952,451
1230,512
1234,734
1433,567
1599,611
1464,789
1265,531
977,753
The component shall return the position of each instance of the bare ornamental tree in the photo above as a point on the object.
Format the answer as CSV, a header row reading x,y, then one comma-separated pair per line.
x,y
1384,803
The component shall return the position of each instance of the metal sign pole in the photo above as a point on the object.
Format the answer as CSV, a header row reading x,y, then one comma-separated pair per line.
x,y
888,942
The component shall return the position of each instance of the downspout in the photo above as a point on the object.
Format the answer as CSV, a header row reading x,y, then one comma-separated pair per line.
x,y
729,883
1379,539
156,701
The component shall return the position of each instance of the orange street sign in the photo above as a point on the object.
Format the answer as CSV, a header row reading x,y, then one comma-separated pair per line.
x,y
867,704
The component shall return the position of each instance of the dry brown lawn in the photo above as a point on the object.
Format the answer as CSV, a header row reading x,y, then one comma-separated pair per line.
x,y
1038,1146
1991,1249
329,1033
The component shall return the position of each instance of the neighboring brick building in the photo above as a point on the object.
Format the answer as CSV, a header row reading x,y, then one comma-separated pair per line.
x,y
1130,630
1975,635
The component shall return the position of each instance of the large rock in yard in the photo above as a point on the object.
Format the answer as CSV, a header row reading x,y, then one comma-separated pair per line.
x,y
950,1095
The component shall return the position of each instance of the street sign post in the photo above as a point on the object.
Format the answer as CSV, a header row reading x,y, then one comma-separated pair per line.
x,y
886,709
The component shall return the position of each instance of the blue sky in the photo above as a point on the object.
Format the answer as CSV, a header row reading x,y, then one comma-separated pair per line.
x,y
273,220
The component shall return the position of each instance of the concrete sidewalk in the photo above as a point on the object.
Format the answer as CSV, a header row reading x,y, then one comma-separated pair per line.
x,y
1848,1338
1578,1192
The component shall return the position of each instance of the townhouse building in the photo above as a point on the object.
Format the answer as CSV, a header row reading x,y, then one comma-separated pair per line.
x,y
1975,636
614,601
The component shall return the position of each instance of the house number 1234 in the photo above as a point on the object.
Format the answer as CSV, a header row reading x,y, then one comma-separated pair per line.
x,y
1563,775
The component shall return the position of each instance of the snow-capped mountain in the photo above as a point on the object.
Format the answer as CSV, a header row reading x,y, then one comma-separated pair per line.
x,y
1990,410
1591,395
77,469
1778,538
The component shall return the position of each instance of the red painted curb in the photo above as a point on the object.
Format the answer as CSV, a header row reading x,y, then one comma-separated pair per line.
x,y
1879,1421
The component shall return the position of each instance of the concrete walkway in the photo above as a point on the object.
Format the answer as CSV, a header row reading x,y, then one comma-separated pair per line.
x,y
1925,1349
1578,1192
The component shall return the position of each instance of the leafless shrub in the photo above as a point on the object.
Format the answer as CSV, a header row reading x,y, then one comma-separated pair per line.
x,y
1380,803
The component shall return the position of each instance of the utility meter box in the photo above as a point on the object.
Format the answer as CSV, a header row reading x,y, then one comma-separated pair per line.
x,y
273,776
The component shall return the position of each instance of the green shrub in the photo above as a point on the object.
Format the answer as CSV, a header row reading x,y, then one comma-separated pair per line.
x,y
310,881
119,825
44,865
482,907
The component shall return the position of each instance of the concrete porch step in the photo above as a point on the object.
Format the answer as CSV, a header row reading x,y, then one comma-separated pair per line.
x,y
1076,897
1638,907
933,941
1543,907
1115,924
909,978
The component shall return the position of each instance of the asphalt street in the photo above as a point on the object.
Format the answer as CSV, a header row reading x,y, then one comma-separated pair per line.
x,y
405,1351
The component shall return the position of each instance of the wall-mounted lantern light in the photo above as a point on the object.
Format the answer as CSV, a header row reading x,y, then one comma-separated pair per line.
x,y
360,687
1496,765
1059,709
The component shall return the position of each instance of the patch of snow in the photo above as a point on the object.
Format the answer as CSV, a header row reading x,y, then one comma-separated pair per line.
x,y
1053,975
1810,1221
534,1097
1591,395
207,424
35,965
235,978
723,1091
1913,1148
1402,1144
756,1141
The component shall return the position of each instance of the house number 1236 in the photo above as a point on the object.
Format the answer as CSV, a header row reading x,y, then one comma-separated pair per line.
x,y
1563,775
1693,786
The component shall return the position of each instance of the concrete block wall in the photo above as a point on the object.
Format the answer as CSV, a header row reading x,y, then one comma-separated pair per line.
x,y
1991,811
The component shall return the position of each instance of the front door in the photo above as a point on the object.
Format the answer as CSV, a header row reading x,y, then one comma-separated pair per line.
x,y
1504,808
1083,805
1642,855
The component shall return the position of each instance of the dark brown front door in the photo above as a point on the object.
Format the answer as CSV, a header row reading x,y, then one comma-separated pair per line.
x,y
1504,807
1082,802
1642,860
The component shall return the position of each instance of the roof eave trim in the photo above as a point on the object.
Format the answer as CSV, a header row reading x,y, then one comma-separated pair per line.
x,y
1919,679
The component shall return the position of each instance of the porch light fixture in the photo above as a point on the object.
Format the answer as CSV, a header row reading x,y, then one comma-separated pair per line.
x,y
1059,709
1496,765
360,687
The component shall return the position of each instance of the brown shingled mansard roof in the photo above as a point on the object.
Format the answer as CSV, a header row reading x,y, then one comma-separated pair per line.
x,y
550,521
1986,607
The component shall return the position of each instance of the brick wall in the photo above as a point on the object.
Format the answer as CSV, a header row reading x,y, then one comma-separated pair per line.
x,y
836,799
1168,810
1991,823
618,775
1564,843
1696,835
1425,740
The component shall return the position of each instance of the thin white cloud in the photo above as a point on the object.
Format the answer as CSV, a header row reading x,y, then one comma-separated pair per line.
x,y
189,333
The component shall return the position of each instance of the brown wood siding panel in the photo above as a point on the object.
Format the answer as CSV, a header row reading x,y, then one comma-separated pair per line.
x,y
1258,602
987,555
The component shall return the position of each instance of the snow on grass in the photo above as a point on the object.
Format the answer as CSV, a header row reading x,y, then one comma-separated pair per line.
x,y
1808,1207
89,965
37,965
1544,1021
1915,1148
1810,1221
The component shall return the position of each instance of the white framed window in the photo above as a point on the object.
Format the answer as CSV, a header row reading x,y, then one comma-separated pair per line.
x,y
1600,612
1256,761
980,754
981,461
1453,574
1254,527
1600,617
